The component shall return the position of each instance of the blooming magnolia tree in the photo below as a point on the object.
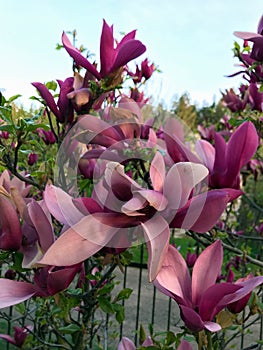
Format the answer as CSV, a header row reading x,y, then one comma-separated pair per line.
x,y
88,177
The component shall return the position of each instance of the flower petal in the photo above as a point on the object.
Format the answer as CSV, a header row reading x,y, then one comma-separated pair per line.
x,y
61,206
191,319
157,171
107,52
174,276
184,345
180,180
78,58
13,292
203,211
127,52
157,235
206,152
206,270
126,344
47,96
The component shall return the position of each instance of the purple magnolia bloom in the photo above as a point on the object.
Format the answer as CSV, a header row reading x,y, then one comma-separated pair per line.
x,y
62,109
256,38
47,136
32,158
119,203
111,58
127,344
199,297
232,101
225,160
20,334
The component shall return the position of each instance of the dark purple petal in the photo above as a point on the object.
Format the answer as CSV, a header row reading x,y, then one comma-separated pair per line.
x,y
130,50
240,149
203,211
64,104
107,52
47,96
191,319
60,279
209,304
78,58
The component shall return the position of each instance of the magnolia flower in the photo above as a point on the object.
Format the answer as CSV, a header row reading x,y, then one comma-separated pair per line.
x,y
111,58
199,297
62,109
20,334
256,38
225,160
120,203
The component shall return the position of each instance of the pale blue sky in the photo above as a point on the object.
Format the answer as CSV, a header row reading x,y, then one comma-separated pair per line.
x,y
189,40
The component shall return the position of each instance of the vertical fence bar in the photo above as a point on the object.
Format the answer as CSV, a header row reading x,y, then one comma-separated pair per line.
x,y
169,314
139,296
153,304
123,301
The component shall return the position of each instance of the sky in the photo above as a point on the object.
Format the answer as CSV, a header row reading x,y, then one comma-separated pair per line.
x,y
190,41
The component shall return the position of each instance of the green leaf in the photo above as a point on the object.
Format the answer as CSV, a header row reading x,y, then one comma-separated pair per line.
x,y
124,294
142,334
51,85
120,315
170,338
69,329
105,305
9,128
13,98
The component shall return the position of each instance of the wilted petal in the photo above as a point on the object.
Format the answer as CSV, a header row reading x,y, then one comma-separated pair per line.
x,y
13,292
206,270
174,276
180,180
157,235
77,56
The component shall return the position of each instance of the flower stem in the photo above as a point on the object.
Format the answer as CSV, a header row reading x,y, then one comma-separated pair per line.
x,y
209,341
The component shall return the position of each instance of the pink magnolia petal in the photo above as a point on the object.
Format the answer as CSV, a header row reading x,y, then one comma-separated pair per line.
x,y
203,211
77,56
127,37
206,270
155,199
42,225
212,326
10,229
247,287
220,164
126,344
206,152
137,202
157,172
174,276
247,35
60,205
61,279
157,235
184,345
81,241
8,338
180,180
13,292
